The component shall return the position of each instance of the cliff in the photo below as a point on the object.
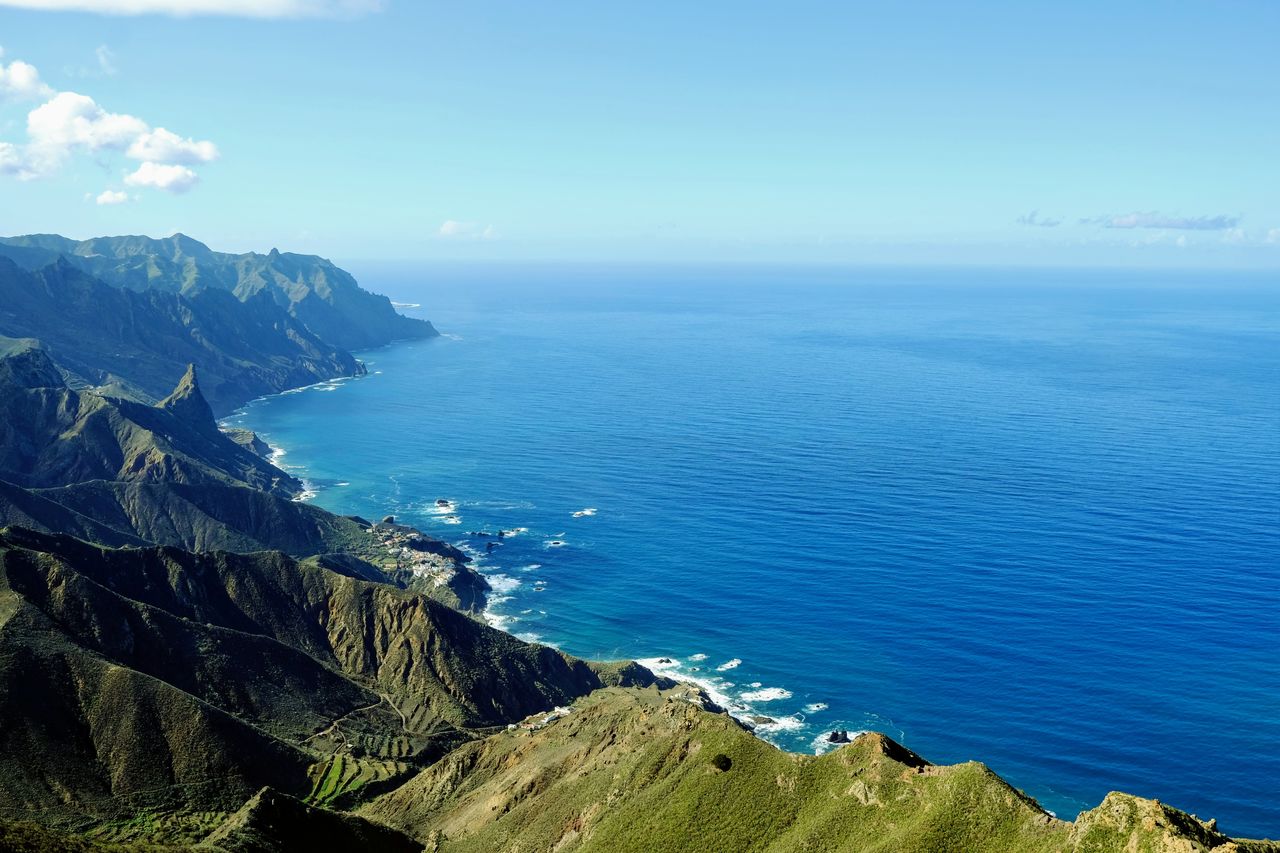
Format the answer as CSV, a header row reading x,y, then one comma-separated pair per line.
x,y
313,291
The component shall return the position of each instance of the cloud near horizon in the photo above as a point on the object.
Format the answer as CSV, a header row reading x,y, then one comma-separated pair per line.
x,y
1033,219
68,123
452,229
1152,219
193,8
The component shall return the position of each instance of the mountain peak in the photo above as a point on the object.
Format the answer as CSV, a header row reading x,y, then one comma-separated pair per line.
x,y
186,401
25,364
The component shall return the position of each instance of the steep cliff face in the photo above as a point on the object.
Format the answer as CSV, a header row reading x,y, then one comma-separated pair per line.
x,y
138,343
321,296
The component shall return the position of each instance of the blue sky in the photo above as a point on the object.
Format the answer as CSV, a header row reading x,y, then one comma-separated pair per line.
x,y
1054,133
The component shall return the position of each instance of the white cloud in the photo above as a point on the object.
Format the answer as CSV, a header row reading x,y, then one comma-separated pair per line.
x,y
1273,236
73,120
452,229
111,197
162,176
166,147
188,8
1153,219
12,161
20,81
69,123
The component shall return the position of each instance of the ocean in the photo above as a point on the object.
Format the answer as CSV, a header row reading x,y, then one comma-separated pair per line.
x,y
1025,517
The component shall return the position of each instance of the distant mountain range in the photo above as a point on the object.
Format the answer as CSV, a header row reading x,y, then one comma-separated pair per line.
x,y
127,314
192,659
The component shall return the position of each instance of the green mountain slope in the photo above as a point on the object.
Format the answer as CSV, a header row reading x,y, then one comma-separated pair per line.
x,y
633,770
139,343
53,436
323,297
167,475
157,681
272,822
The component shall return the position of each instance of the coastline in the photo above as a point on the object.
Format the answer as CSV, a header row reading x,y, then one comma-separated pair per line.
x,y
747,703
504,610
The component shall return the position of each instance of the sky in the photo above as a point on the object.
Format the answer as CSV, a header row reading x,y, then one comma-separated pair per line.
x,y
1083,133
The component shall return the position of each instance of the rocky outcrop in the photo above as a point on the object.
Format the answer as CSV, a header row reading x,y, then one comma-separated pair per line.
x,y
53,436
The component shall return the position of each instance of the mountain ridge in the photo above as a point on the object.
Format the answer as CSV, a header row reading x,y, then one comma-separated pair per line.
x,y
311,289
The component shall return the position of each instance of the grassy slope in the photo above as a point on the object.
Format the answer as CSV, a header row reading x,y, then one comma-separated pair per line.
x,y
632,770
158,682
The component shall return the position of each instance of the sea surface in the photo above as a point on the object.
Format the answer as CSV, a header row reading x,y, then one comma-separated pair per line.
x,y
1026,517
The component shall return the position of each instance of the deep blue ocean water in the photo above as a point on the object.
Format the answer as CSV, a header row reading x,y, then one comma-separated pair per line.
x,y
1025,517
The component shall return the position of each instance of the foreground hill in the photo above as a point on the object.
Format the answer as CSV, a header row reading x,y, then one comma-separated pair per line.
x,y
315,292
633,770
161,682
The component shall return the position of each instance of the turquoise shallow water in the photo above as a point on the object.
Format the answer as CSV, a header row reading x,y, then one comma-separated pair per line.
x,y
1031,518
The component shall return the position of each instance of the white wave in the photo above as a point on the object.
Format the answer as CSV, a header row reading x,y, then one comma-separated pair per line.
x,y
451,519
503,583
672,668
815,707
531,637
342,484
532,567
767,694
438,508
497,620
733,664
698,657
583,513
554,543
755,684
821,745
782,724
308,492
514,531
